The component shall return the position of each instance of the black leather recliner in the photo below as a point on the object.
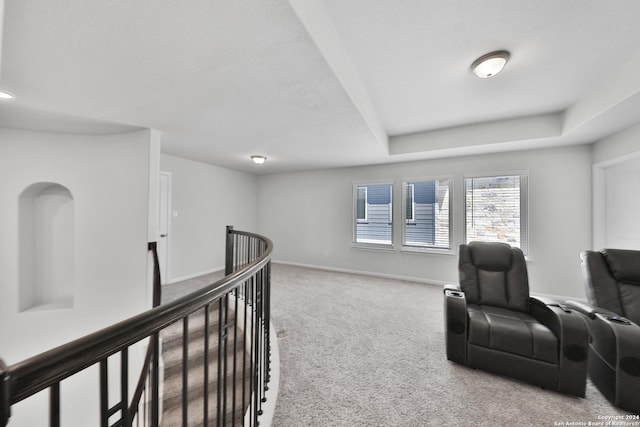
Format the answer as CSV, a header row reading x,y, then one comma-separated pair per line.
x,y
612,279
491,323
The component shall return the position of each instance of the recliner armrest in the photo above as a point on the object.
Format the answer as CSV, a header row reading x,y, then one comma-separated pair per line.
x,y
543,300
571,329
583,308
455,323
552,314
616,340
452,287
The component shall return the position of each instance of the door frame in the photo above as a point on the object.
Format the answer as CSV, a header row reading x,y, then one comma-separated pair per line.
x,y
599,197
164,255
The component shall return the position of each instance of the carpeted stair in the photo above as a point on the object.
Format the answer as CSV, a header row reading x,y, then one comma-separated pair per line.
x,y
172,350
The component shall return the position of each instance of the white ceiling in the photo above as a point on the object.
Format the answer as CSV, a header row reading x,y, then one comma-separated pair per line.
x,y
323,83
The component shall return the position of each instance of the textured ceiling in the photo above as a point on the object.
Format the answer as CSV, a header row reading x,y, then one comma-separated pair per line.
x,y
323,83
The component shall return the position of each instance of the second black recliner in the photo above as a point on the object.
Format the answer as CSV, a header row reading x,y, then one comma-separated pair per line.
x,y
612,278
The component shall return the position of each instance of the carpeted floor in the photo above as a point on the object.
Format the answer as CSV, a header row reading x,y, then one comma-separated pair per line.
x,y
363,351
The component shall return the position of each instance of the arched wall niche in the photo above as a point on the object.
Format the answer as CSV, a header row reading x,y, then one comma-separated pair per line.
x,y
46,247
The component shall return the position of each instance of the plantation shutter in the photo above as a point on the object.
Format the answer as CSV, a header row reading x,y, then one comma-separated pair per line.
x,y
427,216
374,214
496,209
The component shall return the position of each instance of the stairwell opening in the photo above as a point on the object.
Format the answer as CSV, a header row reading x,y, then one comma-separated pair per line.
x,y
46,247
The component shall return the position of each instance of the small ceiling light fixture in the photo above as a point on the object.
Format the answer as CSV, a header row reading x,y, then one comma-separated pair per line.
x,y
7,96
258,160
490,64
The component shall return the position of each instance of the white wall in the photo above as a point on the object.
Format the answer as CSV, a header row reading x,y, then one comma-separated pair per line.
x,y
207,198
108,177
618,146
308,215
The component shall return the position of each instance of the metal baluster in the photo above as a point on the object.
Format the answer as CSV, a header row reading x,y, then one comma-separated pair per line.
x,y
144,409
264,337
259,348
205,391
253,387
54,405
155,381
255,351
124,386
220,337
104,393
228,263
235,340
185,370
267,317
225,350
244,346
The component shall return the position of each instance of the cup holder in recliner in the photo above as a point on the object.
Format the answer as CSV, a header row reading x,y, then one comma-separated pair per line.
x,y
618,320
575,353
454,294
456,326
631,366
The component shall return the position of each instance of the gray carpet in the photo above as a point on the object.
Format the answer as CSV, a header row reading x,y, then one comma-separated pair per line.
x,y
363,351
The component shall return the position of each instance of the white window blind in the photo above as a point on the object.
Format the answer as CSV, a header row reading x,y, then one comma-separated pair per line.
x,y
496,210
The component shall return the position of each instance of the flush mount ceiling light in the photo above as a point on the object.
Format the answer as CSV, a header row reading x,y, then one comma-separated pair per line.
x,y
8,96
490,64
258,160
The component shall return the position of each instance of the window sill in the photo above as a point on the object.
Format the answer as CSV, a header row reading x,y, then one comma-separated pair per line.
x,y
373,246
430,251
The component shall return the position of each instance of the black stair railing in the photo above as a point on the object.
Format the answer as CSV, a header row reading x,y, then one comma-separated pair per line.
x,y
234,396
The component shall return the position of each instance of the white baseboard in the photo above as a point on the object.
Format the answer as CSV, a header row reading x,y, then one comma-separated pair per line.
x,y
364,273
559,298
191,276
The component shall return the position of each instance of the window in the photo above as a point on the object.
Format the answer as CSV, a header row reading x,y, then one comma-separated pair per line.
x,y
373,212
427,214
496,209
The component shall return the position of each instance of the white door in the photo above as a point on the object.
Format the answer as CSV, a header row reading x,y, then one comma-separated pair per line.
x,y
622,204
164,200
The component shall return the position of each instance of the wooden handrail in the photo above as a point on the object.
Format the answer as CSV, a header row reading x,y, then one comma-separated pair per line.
x,y
42,371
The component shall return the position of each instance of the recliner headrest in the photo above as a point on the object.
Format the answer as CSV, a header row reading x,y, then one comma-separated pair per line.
x,y
624,264
491,256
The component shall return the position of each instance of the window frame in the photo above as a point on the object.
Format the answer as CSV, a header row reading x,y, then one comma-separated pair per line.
x,y
355,221
366,204
428,248
524,205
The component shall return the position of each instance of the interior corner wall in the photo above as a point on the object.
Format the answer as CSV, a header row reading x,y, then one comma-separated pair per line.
x,y
308,215
108,177
620,145
204,200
